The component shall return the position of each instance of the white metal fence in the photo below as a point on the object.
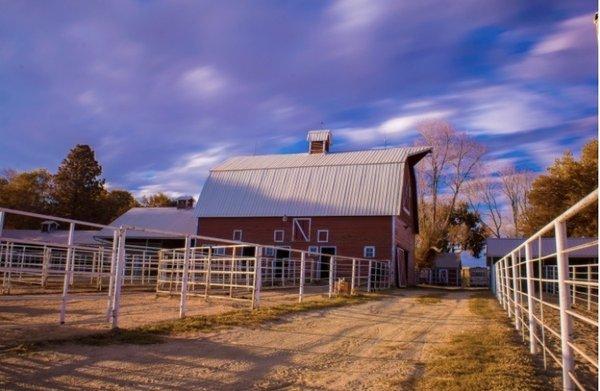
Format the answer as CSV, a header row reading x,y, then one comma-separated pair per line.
x,y
553,300
241,272
234,271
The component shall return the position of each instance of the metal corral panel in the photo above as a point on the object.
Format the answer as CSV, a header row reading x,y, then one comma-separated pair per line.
x,y
365,183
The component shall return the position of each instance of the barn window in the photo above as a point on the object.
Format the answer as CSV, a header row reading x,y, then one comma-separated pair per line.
x,y
269,251
278,235
369,252
313,249
301,230
219,250
237,235
323,236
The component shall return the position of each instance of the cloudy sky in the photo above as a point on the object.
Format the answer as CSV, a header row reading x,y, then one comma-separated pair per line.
x,y
164,90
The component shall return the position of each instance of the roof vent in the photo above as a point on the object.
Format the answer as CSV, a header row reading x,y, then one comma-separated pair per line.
x,y
185,202
319,141
49,226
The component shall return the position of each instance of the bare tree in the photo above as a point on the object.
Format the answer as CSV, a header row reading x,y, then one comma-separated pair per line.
x,y
453,162
515,186
484,195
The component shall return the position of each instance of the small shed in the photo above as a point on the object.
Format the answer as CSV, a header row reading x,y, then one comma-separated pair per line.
x,y
446,269
475,276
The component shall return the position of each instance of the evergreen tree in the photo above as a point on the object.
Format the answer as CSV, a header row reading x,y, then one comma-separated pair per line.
x,y
78,186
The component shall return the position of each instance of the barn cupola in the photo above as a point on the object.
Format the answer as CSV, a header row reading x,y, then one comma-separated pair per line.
x,y
319,141
185,202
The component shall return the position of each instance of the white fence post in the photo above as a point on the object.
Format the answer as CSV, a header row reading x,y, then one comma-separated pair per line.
x,y
45,263
111,278
257,277
369,276
530,302
302,275
353,279
516,290
2,216
67,279
184,279
562,261
119,274
207,267
331,269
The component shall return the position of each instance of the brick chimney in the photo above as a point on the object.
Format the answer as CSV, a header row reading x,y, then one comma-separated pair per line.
x,y
319,141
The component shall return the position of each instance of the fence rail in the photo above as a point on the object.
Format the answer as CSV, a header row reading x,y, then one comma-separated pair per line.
x,y
553,300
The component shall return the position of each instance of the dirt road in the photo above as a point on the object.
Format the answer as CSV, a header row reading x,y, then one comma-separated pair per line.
x,y
377,345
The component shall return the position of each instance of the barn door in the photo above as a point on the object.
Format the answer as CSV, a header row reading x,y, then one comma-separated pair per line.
x,y
301,230
401,267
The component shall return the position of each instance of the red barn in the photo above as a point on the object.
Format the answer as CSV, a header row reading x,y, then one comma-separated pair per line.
x,y
360,203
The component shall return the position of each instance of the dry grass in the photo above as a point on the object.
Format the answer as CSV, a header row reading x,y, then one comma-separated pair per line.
x,y
155,333
430,298
488,356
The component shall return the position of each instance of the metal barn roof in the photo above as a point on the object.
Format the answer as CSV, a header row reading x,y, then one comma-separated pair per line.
x,y
166,219
499,247
363,183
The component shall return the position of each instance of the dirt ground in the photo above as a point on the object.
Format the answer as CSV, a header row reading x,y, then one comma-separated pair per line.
x,y
377,345
32,317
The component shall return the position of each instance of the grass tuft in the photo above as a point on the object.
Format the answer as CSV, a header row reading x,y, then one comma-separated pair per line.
x,y
430,298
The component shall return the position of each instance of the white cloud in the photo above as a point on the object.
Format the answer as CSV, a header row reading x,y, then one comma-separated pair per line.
x,y
186,176
203,81
506,109
397,126
565,53
91,101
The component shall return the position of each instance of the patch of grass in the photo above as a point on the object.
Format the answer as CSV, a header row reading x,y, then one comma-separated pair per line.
x,y
155,333
488,357
430,298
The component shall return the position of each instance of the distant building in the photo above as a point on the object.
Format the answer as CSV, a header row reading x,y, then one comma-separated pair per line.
x,y
360,203
50,232
178,219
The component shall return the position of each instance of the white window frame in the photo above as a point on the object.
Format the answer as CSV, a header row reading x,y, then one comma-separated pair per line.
x,y
282,235
295,224
241,233
366,248
326,231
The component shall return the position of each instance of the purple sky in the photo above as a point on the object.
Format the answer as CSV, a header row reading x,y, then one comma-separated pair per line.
x,y
165,90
